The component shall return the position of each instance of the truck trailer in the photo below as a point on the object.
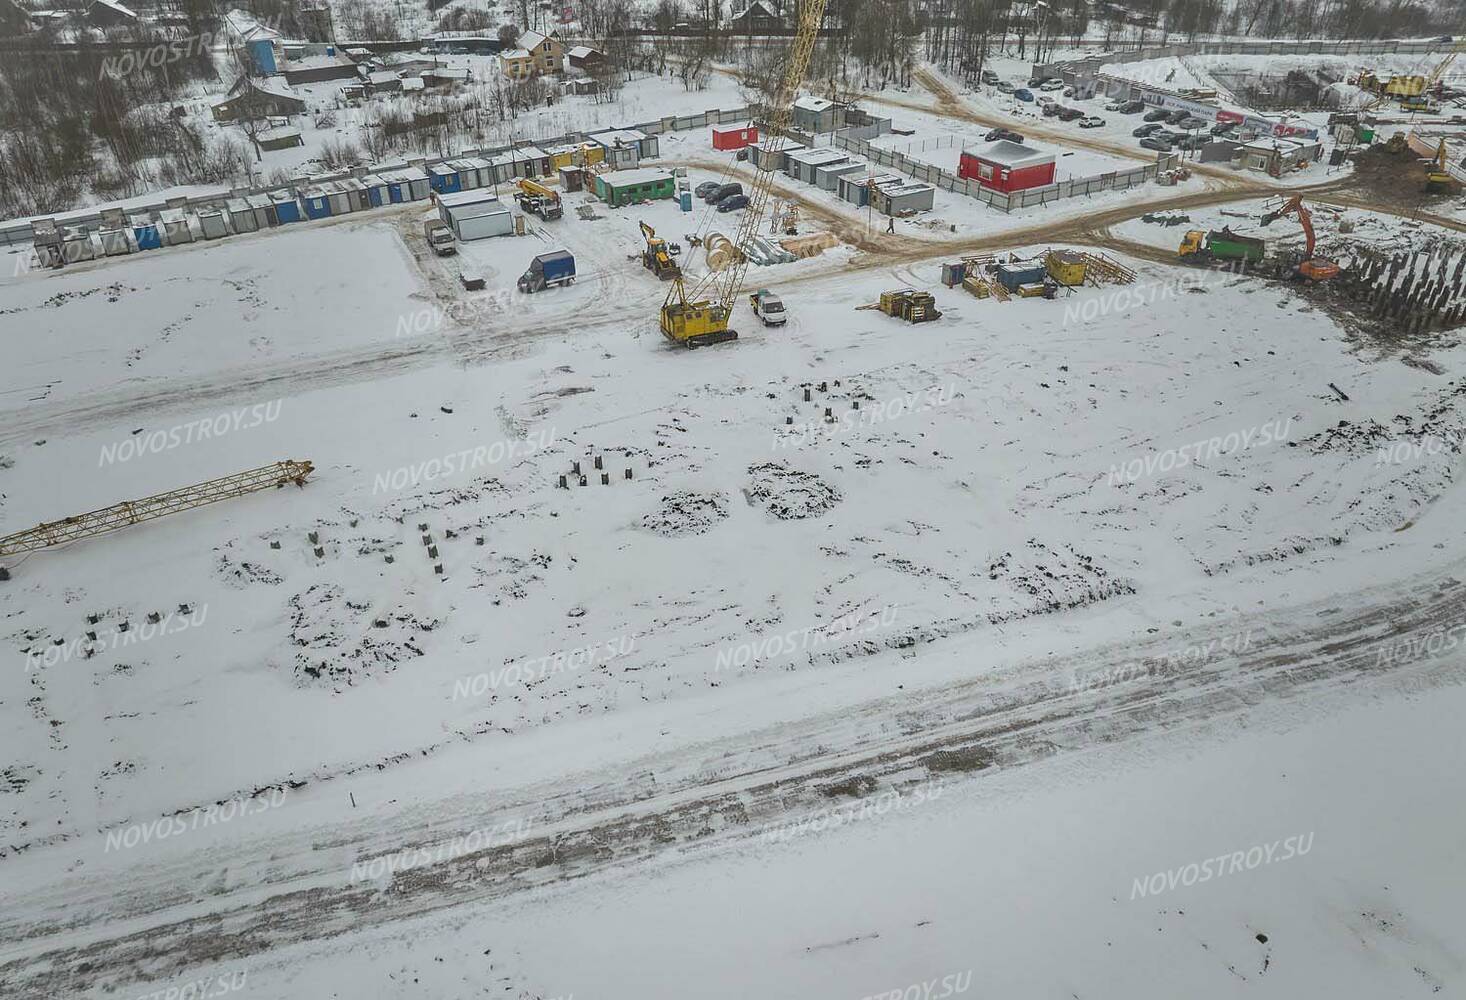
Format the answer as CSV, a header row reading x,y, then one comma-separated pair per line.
x,y
554,268
1223,245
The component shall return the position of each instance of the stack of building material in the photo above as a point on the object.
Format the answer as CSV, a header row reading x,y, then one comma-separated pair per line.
x,y
810,244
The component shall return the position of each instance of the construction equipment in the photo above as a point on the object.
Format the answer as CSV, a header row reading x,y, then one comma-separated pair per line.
x,y
910,305
539,199
1439,178
1310,267
657,257
130,512
1224,245
701,316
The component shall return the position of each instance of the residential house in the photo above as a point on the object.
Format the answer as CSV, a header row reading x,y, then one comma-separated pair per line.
x,y
318,68
758,18
109,14
259,42
546,51
254,98
516,64
586,58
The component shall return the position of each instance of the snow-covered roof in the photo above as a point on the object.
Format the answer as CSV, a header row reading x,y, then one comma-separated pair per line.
x,y
1007,153
735,127
114,6
317,62
247,27
817,157
814,104
447,73
284,132
514,54
415,83
459,199
532,39
382,76
646,175
612,136
581,51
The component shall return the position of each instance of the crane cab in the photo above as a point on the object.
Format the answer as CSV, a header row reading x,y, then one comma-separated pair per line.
x,y
696,324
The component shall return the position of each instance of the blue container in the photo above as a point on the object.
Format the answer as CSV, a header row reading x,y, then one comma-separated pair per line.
x,y
286,210
686,201
318,207
444,183
374,195
394,191
147,236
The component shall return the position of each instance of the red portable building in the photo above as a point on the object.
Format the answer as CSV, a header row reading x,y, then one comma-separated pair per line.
x,y
735,136
1007,166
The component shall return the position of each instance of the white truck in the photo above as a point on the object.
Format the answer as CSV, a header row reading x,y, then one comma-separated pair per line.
x,y
439,237
768,307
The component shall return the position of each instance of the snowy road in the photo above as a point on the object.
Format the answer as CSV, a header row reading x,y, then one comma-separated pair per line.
x,y
87,933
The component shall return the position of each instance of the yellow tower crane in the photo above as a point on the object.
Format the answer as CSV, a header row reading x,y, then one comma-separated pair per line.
x,y
702,316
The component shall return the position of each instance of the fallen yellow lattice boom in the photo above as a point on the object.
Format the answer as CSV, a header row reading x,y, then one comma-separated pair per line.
x,y
129,512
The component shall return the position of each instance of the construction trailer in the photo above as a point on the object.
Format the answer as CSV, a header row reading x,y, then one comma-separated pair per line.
x,y
906,197
827,177
176,228
241,216
213,223
625,148
625,187
801,164
736,136
475,215
115,242
1007,166
376,189
406,185
764,157
443,178
818,114
316,202
147,232
856,188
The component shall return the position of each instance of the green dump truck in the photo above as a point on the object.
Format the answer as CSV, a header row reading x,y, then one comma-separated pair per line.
x,y
1223,245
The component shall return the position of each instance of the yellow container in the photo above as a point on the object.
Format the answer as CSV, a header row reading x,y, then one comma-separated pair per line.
x,y
1065,267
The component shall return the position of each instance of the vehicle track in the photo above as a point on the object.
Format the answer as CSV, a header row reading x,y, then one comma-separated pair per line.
x,y
81,935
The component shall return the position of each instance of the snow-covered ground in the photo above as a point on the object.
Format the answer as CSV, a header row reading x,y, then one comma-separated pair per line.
x,y
884,656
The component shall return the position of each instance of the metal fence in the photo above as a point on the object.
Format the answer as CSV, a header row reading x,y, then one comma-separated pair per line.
x,y
21,233
1073,187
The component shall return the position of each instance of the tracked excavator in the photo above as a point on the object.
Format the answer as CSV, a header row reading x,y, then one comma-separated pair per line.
x,y
1310,268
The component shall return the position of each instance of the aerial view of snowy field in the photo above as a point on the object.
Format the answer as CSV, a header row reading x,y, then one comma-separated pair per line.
x,y
644,502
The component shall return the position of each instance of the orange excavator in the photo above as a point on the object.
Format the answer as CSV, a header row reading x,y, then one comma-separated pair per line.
x,y
1310,268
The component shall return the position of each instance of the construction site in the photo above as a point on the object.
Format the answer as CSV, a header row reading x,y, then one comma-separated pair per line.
x,y
811,516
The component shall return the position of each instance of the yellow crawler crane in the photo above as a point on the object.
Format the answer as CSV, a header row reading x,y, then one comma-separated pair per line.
x,y
701,317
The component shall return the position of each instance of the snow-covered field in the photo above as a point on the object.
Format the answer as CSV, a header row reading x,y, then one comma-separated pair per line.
x,y
1092,646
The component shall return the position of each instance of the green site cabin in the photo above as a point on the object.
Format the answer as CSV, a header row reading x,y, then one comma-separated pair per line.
x,y
627,187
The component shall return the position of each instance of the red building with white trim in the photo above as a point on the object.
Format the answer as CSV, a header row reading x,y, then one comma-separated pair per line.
x,y
735,136
1007,166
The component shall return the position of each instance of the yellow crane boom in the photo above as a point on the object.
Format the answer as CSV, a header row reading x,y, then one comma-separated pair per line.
x,y
693,319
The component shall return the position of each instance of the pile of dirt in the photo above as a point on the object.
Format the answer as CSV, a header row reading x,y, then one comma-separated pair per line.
x,y
789,494
687,513
1057,579
1388,178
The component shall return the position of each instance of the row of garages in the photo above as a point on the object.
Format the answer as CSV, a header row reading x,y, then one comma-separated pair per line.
x,y
851,180
248,213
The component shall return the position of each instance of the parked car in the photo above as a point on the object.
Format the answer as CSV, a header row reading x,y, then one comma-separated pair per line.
x,y
1142,131
1166,135
1023,94
1191,124
1156,143
989,77
1070,114
1044,100
1052,83
1068,91
722,191
1221,127
1133,108
1052,108
1003,133
1114,105
733,203
1177,116
1034,81
706,188
1191,142
1004,87
1158,115
1091,121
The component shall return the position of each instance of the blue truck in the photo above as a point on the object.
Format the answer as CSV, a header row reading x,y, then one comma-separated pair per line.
x,y
554,268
